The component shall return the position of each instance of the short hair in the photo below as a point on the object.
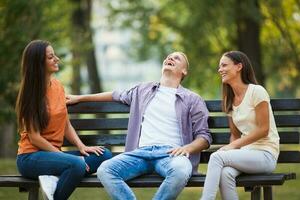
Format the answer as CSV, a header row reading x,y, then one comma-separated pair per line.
x,y
185,57
186,60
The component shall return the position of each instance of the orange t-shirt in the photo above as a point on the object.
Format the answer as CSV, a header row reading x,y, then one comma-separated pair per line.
x,y
58,116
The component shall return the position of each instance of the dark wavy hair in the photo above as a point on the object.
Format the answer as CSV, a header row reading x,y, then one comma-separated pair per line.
x,y
247,75
31,105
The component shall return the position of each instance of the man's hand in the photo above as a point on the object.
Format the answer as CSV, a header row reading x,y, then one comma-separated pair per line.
x,y
72,99
179,151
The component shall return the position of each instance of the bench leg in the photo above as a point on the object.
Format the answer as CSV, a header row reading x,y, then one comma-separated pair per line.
x,y
255,194
33,193
268,195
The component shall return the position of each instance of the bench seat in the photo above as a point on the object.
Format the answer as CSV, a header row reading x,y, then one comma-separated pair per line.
x,y
154,180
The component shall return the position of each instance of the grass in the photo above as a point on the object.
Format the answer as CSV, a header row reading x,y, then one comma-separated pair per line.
x,y
290,190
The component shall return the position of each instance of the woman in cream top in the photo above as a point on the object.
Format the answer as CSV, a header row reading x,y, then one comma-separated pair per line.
x,y
254,140
243,117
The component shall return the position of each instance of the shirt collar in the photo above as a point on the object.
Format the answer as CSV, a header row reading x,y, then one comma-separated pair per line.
x,y
180,90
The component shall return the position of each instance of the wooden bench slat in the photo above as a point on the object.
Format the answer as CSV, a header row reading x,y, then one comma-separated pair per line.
x,y
100,124
281,121
287,120
284,156
289,157
154,180
286,137
213,122
98,107
247,180
277,105
102,140
17,181
285,104
212,105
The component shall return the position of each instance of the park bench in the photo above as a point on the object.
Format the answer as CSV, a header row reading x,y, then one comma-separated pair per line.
x,y
105,123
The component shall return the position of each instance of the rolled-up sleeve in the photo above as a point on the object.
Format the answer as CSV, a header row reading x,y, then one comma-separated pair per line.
x,y
200,115
124,96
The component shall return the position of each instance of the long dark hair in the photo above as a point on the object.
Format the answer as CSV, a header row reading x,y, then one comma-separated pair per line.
x,y
247,75
31,105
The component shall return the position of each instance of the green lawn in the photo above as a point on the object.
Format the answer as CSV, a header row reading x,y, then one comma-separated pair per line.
x,y
290,190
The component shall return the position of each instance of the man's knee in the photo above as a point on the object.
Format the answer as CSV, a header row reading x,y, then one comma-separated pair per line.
x,y
104,170
181,169
184,174
105,166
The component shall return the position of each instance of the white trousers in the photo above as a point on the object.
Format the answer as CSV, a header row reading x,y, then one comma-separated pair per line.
x,y
225,166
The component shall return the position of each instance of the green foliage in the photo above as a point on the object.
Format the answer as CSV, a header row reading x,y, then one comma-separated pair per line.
x,y
202,29
281,43
20,22
205,29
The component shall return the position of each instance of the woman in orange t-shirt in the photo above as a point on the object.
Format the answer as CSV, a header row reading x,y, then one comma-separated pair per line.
x,y
43,125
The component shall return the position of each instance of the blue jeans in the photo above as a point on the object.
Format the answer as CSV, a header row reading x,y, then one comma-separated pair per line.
x,y
114,172
68,166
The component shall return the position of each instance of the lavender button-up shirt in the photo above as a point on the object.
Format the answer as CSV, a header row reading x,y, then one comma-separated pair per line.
x,y
191,112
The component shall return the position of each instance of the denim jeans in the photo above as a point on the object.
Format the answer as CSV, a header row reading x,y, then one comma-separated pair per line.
x,y
224,166
69,166
114,172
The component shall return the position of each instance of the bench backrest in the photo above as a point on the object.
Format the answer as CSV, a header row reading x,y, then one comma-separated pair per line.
x,y
105,123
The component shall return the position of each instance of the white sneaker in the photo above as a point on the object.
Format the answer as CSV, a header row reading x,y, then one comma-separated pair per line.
x,y
48,186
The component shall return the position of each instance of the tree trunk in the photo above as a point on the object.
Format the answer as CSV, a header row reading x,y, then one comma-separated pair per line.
x,y
95,83
76,78
83,48
248,31
77,37
7,140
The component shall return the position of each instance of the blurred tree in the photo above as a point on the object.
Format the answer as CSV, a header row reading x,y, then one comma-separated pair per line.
x,y
76,37
83,49
20,22
281,44
82,46
248,22
267,31
66,24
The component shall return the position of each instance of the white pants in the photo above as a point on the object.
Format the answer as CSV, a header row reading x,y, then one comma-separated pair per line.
x,y
224,166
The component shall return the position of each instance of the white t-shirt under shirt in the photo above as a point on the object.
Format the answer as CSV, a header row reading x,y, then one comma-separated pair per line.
x,y
243,117
160,125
